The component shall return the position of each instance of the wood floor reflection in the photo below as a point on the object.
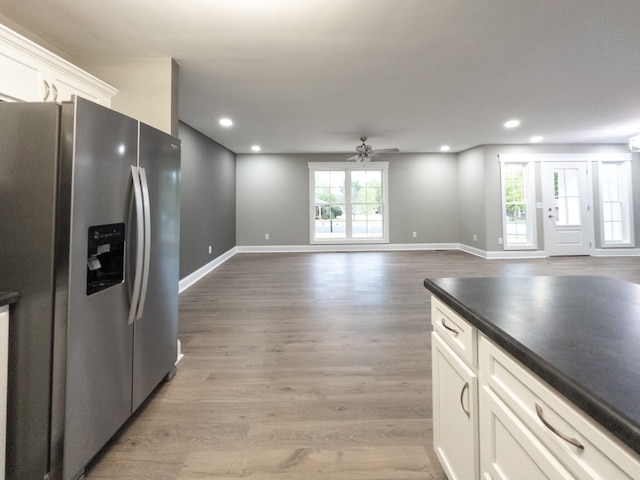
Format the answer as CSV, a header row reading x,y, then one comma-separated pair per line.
x,y
307,366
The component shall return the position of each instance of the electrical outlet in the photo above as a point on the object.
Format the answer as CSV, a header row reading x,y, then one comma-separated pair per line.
x,y
266,236
475,237
415,234
209,249
499,240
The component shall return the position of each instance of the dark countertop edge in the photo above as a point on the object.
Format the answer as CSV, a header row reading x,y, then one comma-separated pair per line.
x,y
599,410
7,298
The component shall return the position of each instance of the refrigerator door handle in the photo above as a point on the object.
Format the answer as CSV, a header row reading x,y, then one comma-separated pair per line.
x,y
139,256
147,242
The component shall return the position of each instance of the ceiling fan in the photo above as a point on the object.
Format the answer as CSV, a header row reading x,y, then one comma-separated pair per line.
x,y
365,152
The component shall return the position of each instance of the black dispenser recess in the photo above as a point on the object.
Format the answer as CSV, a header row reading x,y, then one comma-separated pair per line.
x,y
105,257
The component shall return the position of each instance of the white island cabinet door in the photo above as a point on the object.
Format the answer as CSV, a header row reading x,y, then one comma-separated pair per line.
x,y
509,451
4,360
455,411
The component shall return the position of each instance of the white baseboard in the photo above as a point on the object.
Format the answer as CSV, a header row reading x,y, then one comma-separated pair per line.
x,y
502,254
180,355
192,278
373,247
616,252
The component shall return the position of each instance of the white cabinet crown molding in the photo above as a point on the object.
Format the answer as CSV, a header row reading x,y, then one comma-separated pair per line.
x,y
51,64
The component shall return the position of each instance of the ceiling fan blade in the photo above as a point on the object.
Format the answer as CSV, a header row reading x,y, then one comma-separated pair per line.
x,y
355,157
385,150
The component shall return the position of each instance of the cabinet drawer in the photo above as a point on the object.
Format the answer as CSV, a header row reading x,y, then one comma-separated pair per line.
x,y
459,334
541,409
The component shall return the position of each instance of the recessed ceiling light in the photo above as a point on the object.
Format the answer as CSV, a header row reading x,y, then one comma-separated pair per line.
x,y
226,122
536,139
445,148
255,148
511,124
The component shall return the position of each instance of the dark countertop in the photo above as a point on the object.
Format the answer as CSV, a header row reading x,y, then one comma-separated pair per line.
x,y
581,334
7,298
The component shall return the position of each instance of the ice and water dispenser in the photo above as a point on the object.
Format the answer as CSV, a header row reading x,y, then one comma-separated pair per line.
x,y
105,262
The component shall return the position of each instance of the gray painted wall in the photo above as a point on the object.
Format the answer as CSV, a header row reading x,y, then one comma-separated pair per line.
x,y
207,200
423,198
273,198
471,198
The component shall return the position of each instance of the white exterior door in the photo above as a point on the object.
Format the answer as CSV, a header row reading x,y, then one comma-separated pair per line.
x,y
567,212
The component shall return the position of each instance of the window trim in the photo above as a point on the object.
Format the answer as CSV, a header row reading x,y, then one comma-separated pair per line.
x,y
627,192
348,167
530,199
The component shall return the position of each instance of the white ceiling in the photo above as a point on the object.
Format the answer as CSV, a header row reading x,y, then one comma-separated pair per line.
x,y
311,76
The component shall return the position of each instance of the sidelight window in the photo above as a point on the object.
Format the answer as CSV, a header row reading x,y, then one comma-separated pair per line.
x,y
518,205
615,203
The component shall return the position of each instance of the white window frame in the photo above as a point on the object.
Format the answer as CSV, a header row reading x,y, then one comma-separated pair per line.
x,y
528,165
626,196
347,168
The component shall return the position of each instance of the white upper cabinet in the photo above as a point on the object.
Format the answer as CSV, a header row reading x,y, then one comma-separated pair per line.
x,y
31,73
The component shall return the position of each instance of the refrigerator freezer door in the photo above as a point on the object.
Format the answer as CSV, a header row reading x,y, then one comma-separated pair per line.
x,y
155,334
98,148
28,168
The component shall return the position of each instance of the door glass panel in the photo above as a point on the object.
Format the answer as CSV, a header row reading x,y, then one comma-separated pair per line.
x,y
573,211
567,196
571,182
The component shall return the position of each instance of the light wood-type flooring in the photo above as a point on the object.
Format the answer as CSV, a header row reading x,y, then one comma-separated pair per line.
x,y
307,366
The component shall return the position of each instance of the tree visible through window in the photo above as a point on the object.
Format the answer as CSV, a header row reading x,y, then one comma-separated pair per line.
x,y
348,202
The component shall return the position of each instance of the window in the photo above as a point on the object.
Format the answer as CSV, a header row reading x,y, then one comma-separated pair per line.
x,y
348,203
518,205
616,212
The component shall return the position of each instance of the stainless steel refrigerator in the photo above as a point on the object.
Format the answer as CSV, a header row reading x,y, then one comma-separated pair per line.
x,y
89,237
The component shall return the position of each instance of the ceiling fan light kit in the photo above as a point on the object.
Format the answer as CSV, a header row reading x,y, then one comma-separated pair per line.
x,y
366,152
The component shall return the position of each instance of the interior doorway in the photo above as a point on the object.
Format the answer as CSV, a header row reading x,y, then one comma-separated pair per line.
x,y
567,208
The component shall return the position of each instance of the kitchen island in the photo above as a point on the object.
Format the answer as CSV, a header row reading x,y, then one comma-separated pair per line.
x,y
579,334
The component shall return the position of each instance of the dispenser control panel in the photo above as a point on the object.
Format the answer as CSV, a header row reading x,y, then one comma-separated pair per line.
x,y
105,256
